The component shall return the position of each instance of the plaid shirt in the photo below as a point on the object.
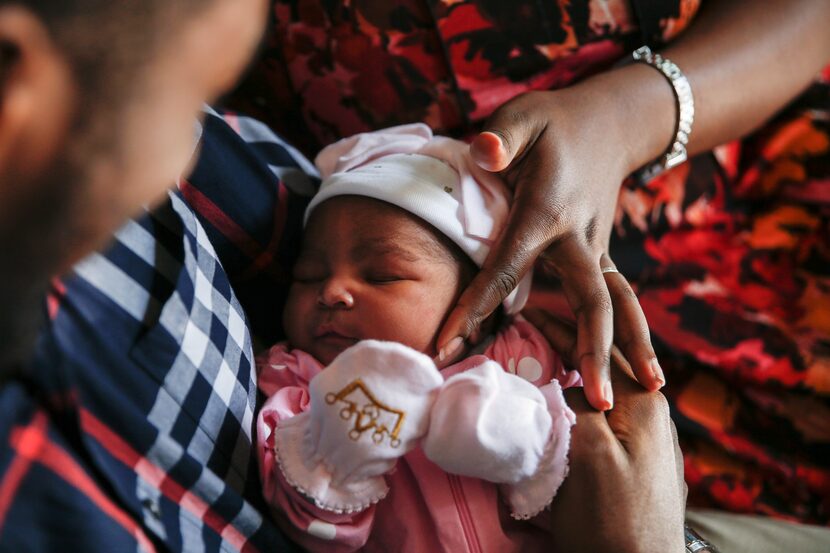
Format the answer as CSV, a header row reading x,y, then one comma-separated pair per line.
x,y
134,430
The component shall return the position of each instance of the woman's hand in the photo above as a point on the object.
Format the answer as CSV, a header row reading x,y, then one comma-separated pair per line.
x,y
565,153
565,157
625,489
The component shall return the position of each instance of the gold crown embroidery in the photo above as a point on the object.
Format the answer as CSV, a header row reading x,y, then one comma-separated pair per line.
x,y
368,413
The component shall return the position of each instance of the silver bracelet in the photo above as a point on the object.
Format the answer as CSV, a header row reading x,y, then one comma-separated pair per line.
x,y
695,543
676,153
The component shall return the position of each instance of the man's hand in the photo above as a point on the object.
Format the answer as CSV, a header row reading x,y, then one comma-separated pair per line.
x,y
625,490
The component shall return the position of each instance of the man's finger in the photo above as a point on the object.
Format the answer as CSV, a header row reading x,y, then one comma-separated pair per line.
x,y
591,428
587,294
631,329
635,407
639,418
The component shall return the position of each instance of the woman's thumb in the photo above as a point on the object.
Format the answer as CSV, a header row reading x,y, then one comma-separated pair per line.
x,y
506,135
489,152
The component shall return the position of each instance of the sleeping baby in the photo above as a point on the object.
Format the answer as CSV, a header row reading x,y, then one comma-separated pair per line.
x,y
363,442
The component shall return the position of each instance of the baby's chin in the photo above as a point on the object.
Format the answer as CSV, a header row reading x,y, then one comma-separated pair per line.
x,y
326,353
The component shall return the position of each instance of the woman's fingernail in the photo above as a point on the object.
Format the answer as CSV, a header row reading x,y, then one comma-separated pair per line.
x,y
450,349
495,140
658,372
489,151
608,395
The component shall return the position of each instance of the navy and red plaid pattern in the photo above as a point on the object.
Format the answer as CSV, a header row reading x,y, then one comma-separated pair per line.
x,y
134,429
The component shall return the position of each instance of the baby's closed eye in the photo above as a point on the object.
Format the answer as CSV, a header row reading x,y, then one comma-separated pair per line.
x,y
385,278
385,271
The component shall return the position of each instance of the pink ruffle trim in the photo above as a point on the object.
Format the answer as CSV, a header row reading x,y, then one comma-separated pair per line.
x,y
311,478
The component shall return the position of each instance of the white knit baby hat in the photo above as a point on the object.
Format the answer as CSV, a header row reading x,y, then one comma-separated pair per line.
x,y
432,177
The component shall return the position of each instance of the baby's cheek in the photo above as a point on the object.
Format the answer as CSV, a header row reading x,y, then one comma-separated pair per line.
x,y
296,312
427,322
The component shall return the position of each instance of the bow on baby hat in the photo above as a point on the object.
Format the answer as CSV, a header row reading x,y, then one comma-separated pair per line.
x,y
379,400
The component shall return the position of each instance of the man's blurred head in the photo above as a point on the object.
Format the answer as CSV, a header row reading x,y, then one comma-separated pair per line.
x,y
98,100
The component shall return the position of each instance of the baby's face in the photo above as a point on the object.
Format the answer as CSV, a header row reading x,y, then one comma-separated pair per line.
x,y
367,270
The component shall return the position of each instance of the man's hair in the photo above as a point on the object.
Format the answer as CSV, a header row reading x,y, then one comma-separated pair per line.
x,y
106,42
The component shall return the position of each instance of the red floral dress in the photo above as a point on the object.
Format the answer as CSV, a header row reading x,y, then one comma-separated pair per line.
x,y
730,252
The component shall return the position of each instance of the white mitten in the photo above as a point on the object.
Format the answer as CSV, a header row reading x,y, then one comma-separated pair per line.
x,y
493,425
369,407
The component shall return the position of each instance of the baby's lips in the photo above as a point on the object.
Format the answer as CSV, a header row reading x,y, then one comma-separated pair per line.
x,y
330,328
337,340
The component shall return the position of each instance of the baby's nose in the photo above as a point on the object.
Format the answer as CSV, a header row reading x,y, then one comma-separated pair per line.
x,y
335,295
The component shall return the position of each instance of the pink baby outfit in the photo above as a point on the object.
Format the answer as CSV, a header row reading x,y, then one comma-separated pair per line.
x,y
481,423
